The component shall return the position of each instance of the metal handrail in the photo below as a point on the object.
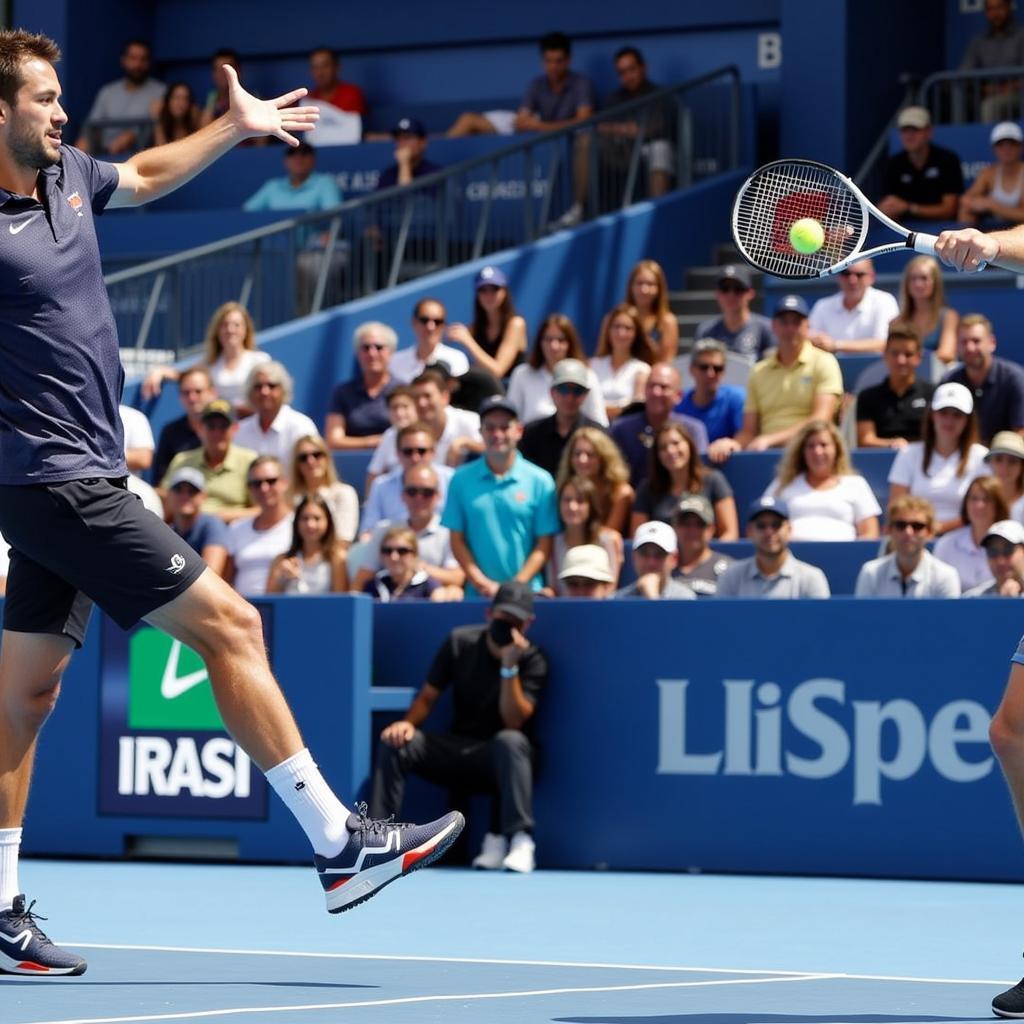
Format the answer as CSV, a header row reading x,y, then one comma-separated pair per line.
x,y
954,97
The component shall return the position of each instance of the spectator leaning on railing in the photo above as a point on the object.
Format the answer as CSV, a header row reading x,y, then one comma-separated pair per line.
x,y
1001,45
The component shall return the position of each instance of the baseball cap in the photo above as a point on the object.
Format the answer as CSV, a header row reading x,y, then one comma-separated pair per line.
x,y
515,598
913,117
953,396
767,503
490,275
409,126
219,407
587,561
1006,130
791,304
187,475
1006,529
697,505
658,533
1006,442
570,371
494,403
734,272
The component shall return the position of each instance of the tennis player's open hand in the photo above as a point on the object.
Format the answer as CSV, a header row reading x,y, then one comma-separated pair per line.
x,y
967,249
255,117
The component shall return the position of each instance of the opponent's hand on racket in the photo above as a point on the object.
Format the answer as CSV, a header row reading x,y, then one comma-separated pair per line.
x,y
968,249
277,117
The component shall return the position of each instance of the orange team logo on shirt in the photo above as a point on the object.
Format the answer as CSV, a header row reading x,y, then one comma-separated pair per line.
x,y
75,202
520,497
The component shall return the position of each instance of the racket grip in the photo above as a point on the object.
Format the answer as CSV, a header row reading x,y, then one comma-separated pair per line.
x,y
922,242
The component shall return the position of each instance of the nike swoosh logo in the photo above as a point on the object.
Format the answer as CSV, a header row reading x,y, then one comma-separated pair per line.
x,y
22,224
172,685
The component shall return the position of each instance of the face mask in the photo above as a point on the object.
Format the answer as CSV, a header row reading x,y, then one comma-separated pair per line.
x,y
500,632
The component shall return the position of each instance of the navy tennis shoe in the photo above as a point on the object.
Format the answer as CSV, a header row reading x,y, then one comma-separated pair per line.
x,y
1011,1002
378,852
24,949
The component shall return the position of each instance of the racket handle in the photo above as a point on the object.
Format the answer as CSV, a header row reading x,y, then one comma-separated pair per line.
x,y
921,242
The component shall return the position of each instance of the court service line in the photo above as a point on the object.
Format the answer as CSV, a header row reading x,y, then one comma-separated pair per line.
x,y
409,1000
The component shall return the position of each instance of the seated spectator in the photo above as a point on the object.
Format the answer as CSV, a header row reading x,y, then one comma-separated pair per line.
x,y
401,578
529,388
982,506
1005,460
623,359
941,466
739,328
415,446
357,415
911,570
229,355
274,427
997,384
1004,549
923,181
195,392
1001,45
544,440
314,563
593,455
138,440
586,572
699,567
410,156
118,122
342,105
422,500
301,190
254,542
656,122
827,499
428,320
718,406
204,533
857,317
579,512
889,415
772,571
923,304
634,432
496,342
313,476
996,196
496,676
793,385
177,116
675,471
218,99
655,555
501,508
647,292
223,463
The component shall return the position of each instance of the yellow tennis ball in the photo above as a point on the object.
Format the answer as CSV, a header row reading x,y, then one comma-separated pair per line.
x,y
807,235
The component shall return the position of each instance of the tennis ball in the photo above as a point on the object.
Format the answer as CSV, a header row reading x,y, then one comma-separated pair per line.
x,y
807,235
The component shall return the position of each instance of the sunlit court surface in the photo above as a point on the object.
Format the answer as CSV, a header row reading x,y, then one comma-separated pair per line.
x,y
188,942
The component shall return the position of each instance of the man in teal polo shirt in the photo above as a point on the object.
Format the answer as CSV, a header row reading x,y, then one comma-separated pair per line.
x,y
501,509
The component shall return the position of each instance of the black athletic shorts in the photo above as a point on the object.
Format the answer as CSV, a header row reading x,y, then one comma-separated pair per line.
x,y
87,541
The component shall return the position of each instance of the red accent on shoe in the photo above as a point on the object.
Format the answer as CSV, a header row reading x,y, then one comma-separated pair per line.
x,y
340,883
28,965
411,858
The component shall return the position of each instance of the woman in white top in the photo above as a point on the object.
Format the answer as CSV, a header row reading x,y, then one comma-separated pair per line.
x,y
982,506
827,499
623,360
253,543
230,355
997,193
314,563
1006,462
529,388
313,474
580,512
942,465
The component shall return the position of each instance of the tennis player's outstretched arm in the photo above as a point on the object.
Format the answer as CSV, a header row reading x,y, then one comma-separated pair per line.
x,y
155,172
967,248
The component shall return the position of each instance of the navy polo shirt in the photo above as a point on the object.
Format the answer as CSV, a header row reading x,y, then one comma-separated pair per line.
x,y
999,402
60,369
364,415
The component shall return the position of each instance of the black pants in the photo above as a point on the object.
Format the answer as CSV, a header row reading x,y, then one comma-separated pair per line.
x,y
501,765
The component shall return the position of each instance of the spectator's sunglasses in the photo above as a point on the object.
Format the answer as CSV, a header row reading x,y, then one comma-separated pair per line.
x,y
265,481
419,492
427,320
715,368
311,456
570,389
899,525
736,289
410,452
388,551
372,346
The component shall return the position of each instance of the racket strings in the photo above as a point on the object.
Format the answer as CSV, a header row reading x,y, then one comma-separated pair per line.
x,y
782,193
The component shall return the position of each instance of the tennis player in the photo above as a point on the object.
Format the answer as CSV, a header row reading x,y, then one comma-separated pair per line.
x,y
77,535
967,250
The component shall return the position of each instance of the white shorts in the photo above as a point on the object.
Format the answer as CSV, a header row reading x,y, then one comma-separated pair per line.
x,y
659,156
502,121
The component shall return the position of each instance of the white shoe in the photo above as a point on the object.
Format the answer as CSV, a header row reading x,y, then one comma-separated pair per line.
x,y
492,854
571,217
520,854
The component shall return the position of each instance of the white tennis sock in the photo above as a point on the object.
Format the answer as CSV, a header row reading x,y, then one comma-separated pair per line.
x,y
321,814
10,843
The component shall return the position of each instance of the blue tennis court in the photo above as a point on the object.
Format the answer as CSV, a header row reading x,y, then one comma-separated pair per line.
x,y
194,943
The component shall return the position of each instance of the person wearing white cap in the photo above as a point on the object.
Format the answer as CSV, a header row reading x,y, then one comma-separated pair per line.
x,y
1005,460
997,194
923,181
655,554
586,572
942,465
1004,549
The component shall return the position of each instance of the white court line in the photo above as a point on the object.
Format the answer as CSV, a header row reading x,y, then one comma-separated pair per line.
x,y
408,1000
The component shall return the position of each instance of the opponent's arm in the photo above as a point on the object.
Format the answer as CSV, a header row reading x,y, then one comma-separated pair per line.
x,y
155,172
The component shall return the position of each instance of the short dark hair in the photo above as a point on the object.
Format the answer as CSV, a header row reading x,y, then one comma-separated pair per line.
x,y
137,42
904,330
429,375
324,49
629,51
16,47
226,51
556,41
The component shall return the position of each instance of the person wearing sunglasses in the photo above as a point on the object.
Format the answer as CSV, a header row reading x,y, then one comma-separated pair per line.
x,y
1004,549
857,317
910,570
719,406
738,327
429,320
275,426
313,475
357,414
400,577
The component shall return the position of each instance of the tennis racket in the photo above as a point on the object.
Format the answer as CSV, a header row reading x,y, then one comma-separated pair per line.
x,y
785,191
